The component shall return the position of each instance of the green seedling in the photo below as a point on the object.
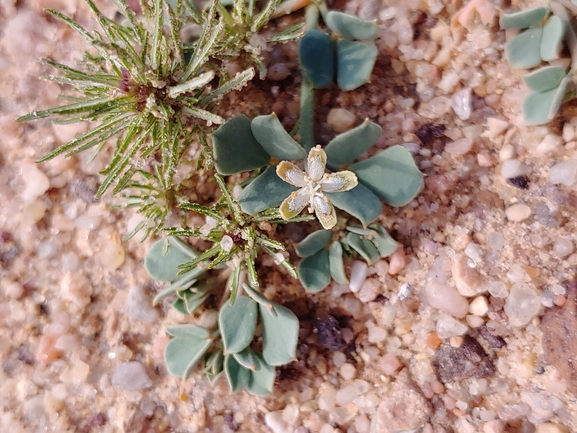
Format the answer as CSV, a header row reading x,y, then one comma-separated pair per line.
x,y
323,258
541,40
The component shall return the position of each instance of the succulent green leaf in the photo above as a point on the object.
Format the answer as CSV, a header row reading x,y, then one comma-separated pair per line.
x,y
391,175
271,135
317,54
364,247
280,335
188,330
336,263
162,265
261,380
360,202
313,243
236,149
246,358
552,40
314,271
385,244
523,19
348,146
536,107
524,50
186,348
543,79
238,376
259,298
355,61
237,324
265,192
559,96
350,26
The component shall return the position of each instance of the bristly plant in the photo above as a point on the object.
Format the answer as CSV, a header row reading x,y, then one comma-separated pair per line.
x,y
543,32
156,95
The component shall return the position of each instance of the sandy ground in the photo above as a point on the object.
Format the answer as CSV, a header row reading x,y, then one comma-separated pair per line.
x,y
446,335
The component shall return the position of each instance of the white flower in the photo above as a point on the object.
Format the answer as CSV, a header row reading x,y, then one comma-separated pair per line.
x,y
313,184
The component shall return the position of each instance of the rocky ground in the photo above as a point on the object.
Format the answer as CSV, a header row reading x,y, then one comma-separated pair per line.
x,y
470,327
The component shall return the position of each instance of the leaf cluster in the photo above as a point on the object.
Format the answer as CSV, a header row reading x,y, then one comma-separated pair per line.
x,y
543,33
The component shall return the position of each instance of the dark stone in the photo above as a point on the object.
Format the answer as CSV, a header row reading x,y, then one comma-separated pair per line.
x,y
229,420
520,182
559,339
458,363
493,340
329,333
428,132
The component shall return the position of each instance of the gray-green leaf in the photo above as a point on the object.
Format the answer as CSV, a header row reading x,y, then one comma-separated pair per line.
x,y
238,376
313,243
543,79
237,324
280,335
364,247
348,146
524,50
266,191
336,264
391,175
261,380
317,54
350,26
523,19
360,202
553,33
355,62
164,267
314,271
182,353
271,135
235,147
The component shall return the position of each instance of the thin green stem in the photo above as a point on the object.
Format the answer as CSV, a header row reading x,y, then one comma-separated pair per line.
x,y
307,114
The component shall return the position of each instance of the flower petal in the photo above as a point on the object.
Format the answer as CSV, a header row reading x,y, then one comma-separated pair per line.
x,y
290,173
294,203
325,211
316,163
339,182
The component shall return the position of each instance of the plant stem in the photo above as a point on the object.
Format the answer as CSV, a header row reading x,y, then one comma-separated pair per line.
x,y
307,114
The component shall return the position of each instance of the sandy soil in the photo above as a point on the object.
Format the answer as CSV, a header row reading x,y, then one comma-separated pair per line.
x,y
444,336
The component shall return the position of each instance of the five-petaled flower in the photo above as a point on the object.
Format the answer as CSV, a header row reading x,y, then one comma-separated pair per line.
x,y
313,185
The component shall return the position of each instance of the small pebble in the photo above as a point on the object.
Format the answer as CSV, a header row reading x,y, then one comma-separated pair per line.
x,y
348,371
341,119
522,304
520,182
479,306
358,275
131,376
549,143
459,147
563,247
514,168
47,352
112,256
274,420
389,364
559,300
397,261
139,305
461,103
474,321
564,173
37,183
448,327
496,127
518,212
550,427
